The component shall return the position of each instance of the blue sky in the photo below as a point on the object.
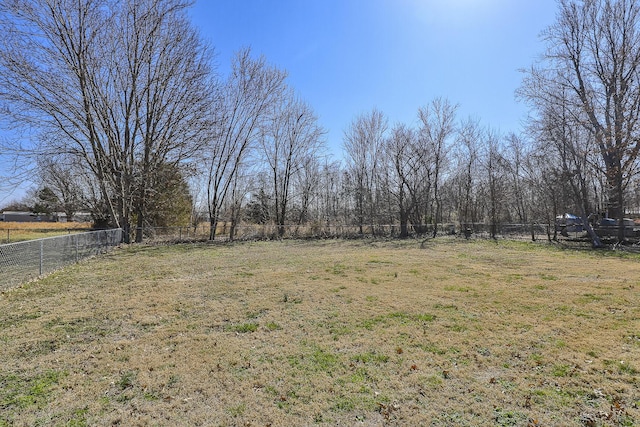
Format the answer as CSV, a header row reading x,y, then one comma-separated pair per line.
x,y
345,57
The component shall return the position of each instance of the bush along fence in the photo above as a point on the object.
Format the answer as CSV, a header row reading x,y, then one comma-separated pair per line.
x,y
23,261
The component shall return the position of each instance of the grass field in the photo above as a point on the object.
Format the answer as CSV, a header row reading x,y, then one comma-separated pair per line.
x,y
292,333
11,232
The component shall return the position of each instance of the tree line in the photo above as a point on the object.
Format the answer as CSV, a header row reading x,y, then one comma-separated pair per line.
x,y
129,119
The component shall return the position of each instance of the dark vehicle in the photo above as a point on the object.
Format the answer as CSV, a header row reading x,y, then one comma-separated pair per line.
x,y
569,223
608,227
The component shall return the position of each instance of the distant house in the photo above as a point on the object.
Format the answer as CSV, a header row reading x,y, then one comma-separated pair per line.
x,y
77,217
16,216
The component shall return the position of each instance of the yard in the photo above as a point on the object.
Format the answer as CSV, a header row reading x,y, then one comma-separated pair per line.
x,y
11,232
335,332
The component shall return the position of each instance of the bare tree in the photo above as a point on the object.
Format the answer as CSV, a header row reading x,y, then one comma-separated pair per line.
x,y
331,193
546,187
515,155
307,183
240,189
362,143
437,130
493,164
409,178
124,86
467,154
594,56
290,140
63,176
244,102
173,85
573,146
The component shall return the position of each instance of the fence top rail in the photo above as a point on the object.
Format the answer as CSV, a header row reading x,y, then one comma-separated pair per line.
x,y
64,236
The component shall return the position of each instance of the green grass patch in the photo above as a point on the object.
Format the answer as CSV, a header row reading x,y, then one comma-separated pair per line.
x,y
399,317
23,391
244,328
370,357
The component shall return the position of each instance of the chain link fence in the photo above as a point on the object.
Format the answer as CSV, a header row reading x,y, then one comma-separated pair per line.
x,y
314,231
23,261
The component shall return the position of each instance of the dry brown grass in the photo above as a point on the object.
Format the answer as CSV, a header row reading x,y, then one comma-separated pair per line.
x,y
326,333
20,231
43,225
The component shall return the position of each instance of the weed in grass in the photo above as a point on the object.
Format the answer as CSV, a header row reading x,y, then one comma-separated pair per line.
x,y
295,300
256,314
322,360
343,404
509,418
78,418
244,274
447,307
432,348
173,381
433,380
424,318
338,269
450,418
626,368
401,317
237,410
590,298
376,261
339,330
124,397
15,320
537,359
150,396
244,328
457,288
370,357
457,327
126,380
38,348
561,370
273,326
620,366
632,338
360,375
